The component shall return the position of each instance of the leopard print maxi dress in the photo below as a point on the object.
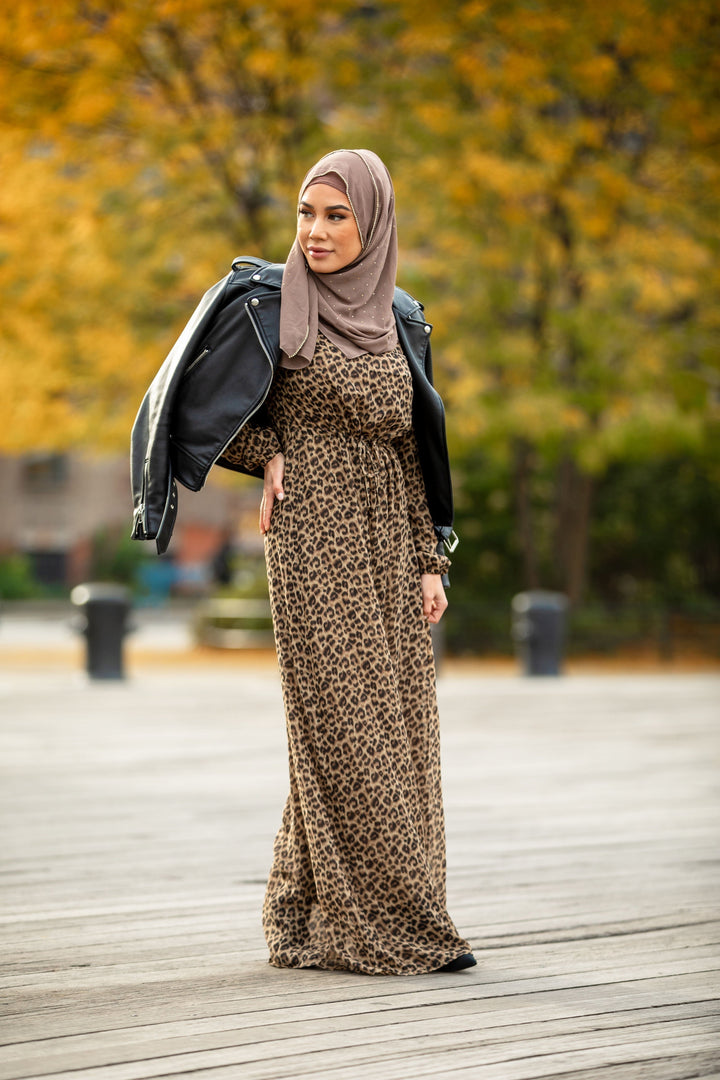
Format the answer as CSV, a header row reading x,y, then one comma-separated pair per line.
x,y
358,875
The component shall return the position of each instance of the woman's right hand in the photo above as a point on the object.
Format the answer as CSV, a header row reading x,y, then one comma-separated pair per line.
x,y
272,489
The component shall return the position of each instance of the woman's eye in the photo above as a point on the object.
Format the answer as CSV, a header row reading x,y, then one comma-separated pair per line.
x,y
305,213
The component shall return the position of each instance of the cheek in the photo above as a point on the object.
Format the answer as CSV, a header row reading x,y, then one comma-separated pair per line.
x,y
352,241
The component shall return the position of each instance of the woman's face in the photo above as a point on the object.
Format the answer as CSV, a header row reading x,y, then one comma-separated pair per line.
x,y
327,232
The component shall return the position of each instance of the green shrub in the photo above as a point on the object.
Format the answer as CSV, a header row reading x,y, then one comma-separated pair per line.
x,y
16,579
115,557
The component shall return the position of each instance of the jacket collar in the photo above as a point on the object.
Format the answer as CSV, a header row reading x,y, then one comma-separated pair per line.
x,y
260,271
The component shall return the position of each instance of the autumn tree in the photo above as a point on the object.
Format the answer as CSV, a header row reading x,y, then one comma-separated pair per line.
x,y
560,178
557,174
143,146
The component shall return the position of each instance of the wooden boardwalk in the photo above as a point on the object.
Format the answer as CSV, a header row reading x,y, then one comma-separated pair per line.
x,y
583,841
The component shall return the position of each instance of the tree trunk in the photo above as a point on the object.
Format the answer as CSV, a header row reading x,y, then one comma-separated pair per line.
x,y
574,500
522,472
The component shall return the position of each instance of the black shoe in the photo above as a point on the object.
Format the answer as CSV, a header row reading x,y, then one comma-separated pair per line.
x,y
467,960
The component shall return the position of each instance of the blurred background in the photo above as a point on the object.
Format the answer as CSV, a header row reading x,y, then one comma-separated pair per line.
x,y
557,167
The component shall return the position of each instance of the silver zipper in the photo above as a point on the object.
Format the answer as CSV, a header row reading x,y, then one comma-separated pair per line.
x,y
145,484
196,361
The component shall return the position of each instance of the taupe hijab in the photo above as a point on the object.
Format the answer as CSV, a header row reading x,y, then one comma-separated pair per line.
x,y
353,306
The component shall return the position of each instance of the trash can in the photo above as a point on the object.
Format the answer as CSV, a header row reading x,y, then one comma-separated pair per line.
x,y
105,609
538,630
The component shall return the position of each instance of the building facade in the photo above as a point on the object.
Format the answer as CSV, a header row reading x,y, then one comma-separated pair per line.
x,y
55,506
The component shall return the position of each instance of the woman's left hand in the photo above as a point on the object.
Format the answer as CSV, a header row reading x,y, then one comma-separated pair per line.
x,y
434,599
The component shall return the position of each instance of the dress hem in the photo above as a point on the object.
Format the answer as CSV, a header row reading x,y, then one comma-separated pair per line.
x,y
356,967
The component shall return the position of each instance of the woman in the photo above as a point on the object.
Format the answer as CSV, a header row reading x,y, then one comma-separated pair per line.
x,y
358,875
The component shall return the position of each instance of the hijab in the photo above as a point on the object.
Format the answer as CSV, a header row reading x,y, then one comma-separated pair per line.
x,y
352,306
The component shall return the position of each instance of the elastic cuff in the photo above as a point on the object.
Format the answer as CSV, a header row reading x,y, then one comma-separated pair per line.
x,y
271,453
433,564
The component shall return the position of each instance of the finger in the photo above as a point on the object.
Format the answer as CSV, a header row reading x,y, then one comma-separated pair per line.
x,y
270,502
438,613
266,511
276,475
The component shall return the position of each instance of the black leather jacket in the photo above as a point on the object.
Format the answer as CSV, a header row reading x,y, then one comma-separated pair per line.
x,y
217,377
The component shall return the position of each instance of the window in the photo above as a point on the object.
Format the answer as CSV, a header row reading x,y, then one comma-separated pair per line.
x,y
43,473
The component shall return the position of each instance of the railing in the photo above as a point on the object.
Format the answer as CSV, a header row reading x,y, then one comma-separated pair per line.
x,y
667,630
229,623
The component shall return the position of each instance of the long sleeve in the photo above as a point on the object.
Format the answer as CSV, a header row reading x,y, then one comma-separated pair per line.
x,y
421,524
252,447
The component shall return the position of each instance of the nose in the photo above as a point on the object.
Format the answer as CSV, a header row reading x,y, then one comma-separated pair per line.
x,y
317,229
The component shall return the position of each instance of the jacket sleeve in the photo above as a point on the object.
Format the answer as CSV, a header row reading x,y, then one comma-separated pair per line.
x,y
421,523
153,486
252,448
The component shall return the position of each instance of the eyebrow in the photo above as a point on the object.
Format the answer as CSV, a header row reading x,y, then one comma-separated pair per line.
x,y
337,206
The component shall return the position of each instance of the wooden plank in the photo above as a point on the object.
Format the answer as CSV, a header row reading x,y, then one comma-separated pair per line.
x,y
138,827
421,1024
63,1016
412,1055
157,972
168,954
507,1025
147,1040
693,1067
170,948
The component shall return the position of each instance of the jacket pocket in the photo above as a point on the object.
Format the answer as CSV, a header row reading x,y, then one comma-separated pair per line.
x,y
198,359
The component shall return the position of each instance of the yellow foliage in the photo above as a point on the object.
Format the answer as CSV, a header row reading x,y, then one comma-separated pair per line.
x,y
527,71
499,174
437,116
650,420
588,132
428,30
555,164
595,73
533,414
474,10
262,62
544,145
614,185
657,77
573,419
